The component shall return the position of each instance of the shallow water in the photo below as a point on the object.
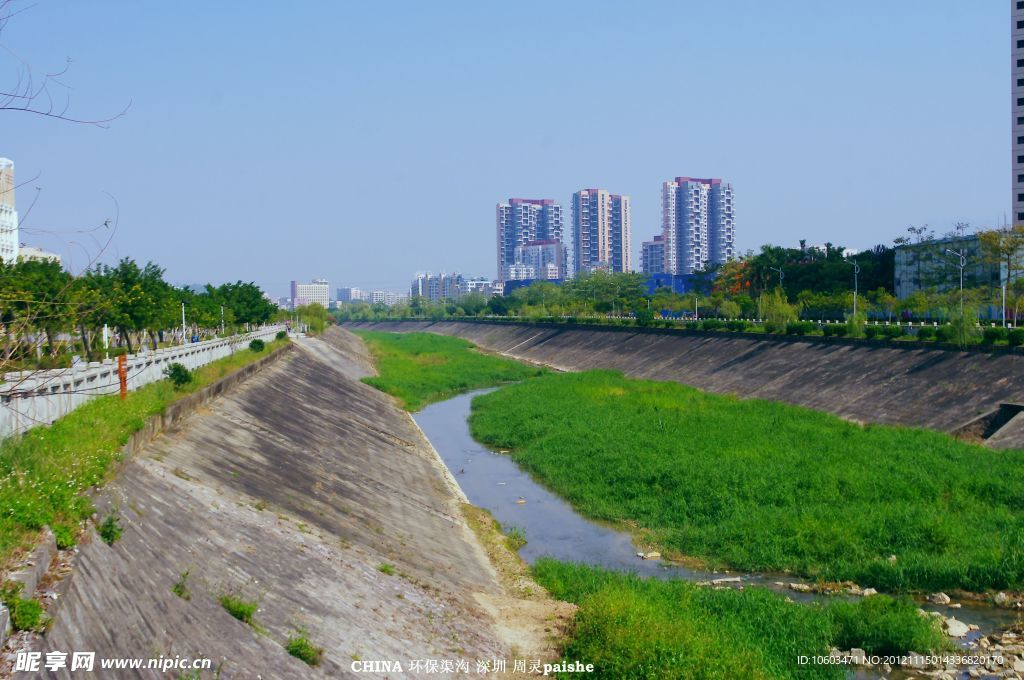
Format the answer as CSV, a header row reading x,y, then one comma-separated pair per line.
x,y
493,481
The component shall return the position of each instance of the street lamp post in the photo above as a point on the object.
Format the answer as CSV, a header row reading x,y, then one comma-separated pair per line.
x,y
856,271
183,341
781,274
963,263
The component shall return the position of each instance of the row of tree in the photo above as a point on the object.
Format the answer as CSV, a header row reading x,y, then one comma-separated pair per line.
x,y
818,281
41,303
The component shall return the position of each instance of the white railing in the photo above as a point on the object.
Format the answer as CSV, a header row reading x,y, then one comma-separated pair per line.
x,y
30,398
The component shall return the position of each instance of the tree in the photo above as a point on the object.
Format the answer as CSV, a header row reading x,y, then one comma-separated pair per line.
x,y
1004,248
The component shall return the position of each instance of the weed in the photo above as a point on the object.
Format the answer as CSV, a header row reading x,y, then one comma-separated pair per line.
x,y
257,345
242,610
110,529
26,613
180,587
386,568
515,538
300,647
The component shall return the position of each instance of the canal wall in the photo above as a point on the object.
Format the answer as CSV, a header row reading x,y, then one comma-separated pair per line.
x,y
310,493
916,385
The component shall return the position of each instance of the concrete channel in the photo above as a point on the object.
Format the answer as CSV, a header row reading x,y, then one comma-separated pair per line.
x,y
291,490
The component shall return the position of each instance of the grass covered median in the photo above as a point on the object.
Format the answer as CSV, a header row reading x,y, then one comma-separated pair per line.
x,y
650,628
45,473
765,486
420,368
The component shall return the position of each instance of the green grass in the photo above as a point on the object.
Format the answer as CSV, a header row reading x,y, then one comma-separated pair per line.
x,y
45,473
243,610
385,568
110,529
631,627
764,486
300,647
515,538
420,368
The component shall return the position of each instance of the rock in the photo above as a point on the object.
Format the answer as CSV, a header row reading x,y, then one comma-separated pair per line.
x,y
955,606
731,579
891,559
1002,600
868,592
652,556
955,628
915,661
800,587
1018,665
972,626
938,598
858,656
886,668
973,672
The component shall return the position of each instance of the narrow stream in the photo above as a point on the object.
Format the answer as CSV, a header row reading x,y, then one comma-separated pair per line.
x,y
493,481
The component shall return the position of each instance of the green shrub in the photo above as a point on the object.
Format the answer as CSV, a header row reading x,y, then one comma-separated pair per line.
x,y
991,336
712,324
926,333
1015,338
691,325
515,539
281,335
178,375
242,610
300,647
737,324
855,325
257,345
800,327
884,625
386,568
944,334
110,529
892,332
871,332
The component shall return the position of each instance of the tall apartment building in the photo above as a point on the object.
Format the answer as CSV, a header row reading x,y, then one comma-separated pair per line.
x,y
698,223
8,213
523,220
349,294
319,291
543,259
601,231
1017,107
652,255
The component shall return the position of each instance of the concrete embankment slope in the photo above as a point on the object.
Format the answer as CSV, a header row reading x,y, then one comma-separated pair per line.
x,y
292,491
927,387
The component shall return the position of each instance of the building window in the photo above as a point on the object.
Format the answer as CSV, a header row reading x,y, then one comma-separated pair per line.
x,y
1020,43
1020,24
1020,4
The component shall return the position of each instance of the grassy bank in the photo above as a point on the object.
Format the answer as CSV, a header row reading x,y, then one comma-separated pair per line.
x,y
651,628
764,486
420,368
45,473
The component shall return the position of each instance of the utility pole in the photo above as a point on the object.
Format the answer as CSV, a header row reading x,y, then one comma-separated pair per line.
x,y
963,263
222,320
183,323
1004,305
856,271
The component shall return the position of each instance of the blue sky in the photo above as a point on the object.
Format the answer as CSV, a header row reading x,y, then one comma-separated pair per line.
x,y
364,141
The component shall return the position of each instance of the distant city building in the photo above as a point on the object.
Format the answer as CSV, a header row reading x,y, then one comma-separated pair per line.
x,y
1017,108
436,287
349,295
319,292
652,255
37,254
698,224
386,297
481,285
601,231
542,259
8,213
524,220
928,266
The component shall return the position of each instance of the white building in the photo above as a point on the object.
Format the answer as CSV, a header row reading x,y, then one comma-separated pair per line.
x,y
38,254
8,214
319,292
480,284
